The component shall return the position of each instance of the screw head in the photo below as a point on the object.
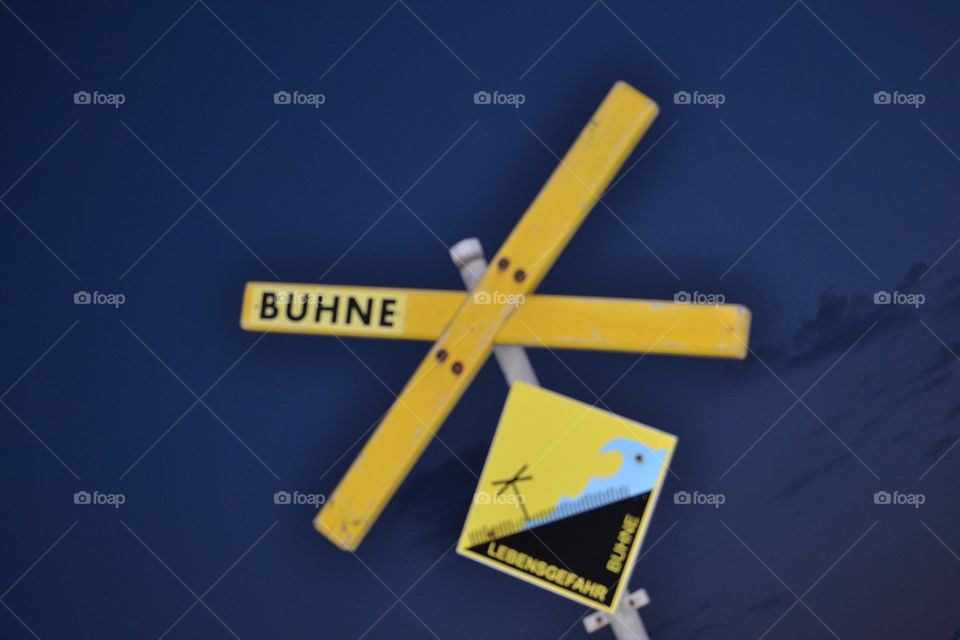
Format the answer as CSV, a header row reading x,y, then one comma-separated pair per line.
x,y
457,368
442,355
519,275
503,263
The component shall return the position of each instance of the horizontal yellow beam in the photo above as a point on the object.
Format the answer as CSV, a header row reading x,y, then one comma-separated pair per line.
x,y
465,343
555,322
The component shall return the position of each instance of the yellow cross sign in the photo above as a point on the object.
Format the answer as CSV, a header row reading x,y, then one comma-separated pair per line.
x,y
501,310
566,495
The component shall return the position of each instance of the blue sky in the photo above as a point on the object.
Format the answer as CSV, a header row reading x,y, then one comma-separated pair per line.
x,y
802,195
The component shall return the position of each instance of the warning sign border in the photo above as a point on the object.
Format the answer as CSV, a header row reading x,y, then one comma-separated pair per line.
x,y
463,546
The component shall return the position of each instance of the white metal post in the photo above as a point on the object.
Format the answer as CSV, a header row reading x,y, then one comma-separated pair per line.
x,y
468,257
626,624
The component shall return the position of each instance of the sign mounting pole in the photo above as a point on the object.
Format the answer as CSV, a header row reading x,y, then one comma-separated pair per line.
x,y
468,257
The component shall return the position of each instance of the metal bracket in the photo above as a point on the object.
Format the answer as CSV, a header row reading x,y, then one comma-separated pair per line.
x,y
598,619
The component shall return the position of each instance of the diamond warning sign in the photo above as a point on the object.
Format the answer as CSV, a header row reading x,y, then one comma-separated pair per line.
x,y
566,495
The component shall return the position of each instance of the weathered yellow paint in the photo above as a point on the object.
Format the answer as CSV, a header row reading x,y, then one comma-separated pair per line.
x,y
522,262
555,322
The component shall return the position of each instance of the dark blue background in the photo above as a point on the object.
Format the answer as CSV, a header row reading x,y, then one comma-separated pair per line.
x,y
104,399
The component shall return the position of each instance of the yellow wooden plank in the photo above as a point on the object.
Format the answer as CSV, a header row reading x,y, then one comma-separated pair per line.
x,y
555,322
638,326
443,376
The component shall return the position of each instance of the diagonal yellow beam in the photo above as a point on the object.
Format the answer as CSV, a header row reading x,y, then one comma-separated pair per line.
x,y
522,262
555,322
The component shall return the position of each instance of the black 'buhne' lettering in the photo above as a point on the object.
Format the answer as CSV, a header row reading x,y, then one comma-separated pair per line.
x,y
366,310
331,308
303,308
353,305
387,311
268,306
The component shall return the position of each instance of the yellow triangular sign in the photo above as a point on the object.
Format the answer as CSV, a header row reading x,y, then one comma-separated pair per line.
x,y
566,495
